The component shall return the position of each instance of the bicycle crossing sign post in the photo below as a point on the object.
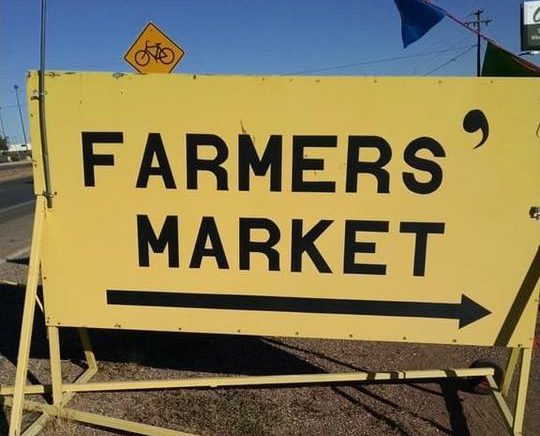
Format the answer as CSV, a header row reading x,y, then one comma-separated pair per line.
x,y
153,52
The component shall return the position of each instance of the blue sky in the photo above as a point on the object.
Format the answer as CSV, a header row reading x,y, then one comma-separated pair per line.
x,y
242,37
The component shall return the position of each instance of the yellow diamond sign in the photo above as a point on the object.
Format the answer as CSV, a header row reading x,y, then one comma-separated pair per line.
x,y
153,52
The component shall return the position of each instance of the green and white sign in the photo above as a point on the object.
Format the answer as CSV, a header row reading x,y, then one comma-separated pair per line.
x,y
530,28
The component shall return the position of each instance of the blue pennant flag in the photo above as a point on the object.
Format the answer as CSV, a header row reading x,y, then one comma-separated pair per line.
x,y
417,18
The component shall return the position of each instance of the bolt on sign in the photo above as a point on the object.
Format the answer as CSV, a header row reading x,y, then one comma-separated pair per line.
x,y
153,52
379,209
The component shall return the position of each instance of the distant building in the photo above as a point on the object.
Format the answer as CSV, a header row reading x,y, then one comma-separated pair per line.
x,y
19,147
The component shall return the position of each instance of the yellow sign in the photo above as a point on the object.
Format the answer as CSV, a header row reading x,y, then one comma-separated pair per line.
x,y
153,52
365,208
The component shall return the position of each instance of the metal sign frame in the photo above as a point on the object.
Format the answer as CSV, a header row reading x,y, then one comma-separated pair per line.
x,y
62,392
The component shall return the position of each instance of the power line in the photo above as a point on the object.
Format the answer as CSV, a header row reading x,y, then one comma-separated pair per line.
x,y
442,42
456,41
455,58
376,61
11,106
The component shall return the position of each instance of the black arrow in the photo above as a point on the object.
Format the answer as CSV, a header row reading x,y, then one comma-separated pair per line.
x,y
467,312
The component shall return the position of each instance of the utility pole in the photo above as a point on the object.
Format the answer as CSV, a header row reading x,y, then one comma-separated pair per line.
x,y
477,25
2,123
20,115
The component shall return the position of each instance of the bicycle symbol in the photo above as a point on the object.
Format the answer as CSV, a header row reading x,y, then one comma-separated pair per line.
x,y
164,55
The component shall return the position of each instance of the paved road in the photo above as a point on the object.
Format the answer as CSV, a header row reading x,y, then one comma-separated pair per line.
x,y
15,192
16,215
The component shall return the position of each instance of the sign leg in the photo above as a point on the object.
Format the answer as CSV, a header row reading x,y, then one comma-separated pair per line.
x,y
27,320
57,387
88,350
56,369
509,372
522,390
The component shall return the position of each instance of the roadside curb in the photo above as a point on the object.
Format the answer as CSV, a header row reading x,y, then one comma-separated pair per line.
x,y
10,283
14,255
17,166
16,206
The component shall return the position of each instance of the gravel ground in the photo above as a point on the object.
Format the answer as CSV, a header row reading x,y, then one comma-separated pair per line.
x,y
427,408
